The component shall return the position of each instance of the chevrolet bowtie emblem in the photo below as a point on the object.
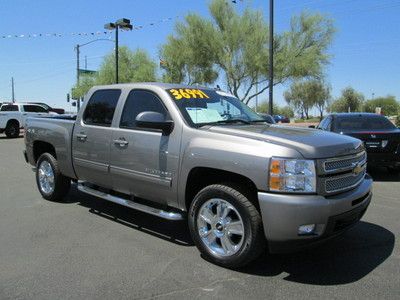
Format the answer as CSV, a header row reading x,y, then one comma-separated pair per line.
x,y
357,169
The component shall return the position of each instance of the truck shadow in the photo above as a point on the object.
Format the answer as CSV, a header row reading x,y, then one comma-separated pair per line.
x,y
382,174
343,260
173,231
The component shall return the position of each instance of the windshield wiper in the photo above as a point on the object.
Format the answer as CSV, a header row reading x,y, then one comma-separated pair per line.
x,y
229,121
260,121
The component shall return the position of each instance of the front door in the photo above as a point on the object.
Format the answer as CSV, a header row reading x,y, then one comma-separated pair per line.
x,y
92,136
144,162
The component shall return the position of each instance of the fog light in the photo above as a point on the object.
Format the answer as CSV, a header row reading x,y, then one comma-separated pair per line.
x,y
306,229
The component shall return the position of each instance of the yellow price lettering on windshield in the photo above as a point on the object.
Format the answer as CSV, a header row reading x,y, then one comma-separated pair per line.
x,y
179,94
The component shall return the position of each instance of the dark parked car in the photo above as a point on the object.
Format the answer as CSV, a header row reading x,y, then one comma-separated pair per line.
x,y
268,118
380,136
281,119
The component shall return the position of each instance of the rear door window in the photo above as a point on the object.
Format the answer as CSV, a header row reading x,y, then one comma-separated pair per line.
x,y
101,107
34,109
9,108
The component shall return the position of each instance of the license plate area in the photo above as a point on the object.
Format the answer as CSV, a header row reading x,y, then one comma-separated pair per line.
x,y
373,144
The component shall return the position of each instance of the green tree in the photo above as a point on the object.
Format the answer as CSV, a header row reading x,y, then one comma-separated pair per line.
x,y
278,110
388,105
134,66
350,100
304,95
235,46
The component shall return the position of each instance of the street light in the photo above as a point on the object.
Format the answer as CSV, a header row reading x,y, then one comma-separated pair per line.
x,y
124,24
271,56
77,48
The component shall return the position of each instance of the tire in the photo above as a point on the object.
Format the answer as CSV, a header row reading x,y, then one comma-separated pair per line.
x,y
243,248
61,184
12,130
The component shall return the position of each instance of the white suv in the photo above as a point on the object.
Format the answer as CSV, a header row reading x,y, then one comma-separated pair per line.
x,y
13,116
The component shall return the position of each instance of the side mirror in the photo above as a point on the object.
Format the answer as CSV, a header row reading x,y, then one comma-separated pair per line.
x,y
311,126
154,120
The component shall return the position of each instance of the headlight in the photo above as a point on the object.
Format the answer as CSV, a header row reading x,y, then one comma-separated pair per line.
x,y
292,175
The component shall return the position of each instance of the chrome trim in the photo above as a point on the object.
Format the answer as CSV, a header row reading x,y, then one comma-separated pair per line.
x,y
169,215
364,170
137,175
353,156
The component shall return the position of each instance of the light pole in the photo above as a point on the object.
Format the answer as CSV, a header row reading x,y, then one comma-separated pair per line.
x,y
124,24
77,49
271,56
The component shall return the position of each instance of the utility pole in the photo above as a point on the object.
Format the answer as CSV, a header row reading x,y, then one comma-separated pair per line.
x,y
12,90
85,62
257,93
271,55
78,101
116,54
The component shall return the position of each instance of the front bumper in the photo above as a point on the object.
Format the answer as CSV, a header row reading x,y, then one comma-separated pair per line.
x,y
283,214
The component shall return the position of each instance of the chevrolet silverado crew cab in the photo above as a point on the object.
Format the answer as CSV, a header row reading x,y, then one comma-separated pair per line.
x,y
13,116
187,152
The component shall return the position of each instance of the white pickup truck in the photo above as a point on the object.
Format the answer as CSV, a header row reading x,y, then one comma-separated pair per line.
x,y
13,116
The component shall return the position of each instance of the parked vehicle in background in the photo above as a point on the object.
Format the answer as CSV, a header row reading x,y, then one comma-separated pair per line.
x,y
182,151
13,116
380,136
59,111
268,118
281,119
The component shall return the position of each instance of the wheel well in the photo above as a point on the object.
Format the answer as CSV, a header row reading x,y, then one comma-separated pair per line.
x,y
12,121
40,147
201,177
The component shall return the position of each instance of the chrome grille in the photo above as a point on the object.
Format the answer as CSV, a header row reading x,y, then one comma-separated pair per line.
x,y
345,163
341,174
344,182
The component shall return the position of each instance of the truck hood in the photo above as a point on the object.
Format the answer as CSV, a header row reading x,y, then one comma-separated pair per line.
x,y
311,143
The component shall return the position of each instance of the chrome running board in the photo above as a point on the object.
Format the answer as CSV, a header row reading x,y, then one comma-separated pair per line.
x,y
169,215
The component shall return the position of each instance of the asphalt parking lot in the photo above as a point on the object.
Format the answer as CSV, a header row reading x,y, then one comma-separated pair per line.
x,y
88,248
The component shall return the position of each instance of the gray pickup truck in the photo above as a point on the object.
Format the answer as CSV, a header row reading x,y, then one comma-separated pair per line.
x,y
188,152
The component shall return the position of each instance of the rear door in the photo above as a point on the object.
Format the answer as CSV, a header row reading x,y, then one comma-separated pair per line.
x,y
144,161
92,136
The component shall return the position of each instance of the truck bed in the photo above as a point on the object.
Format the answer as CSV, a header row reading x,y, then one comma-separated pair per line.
x,y
56,131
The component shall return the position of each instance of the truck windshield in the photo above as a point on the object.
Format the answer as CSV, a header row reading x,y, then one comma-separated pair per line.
x,y
209,107
355,123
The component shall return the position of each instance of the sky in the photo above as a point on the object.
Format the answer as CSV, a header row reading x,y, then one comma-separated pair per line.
x,y
365,50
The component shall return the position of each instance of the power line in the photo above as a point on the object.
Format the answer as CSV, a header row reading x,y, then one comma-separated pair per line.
x,y
83,34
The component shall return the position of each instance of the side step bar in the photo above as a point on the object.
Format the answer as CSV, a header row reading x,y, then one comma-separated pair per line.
x,y
169,215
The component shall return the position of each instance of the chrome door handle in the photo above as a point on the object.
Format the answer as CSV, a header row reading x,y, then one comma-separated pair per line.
x,y
121,142
81,137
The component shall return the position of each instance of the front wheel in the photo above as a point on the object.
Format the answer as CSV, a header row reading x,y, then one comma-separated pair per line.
x,y
226,226
51,183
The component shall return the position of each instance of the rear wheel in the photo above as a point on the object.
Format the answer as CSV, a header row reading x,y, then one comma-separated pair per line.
x,y
12,129
226,226
51,183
